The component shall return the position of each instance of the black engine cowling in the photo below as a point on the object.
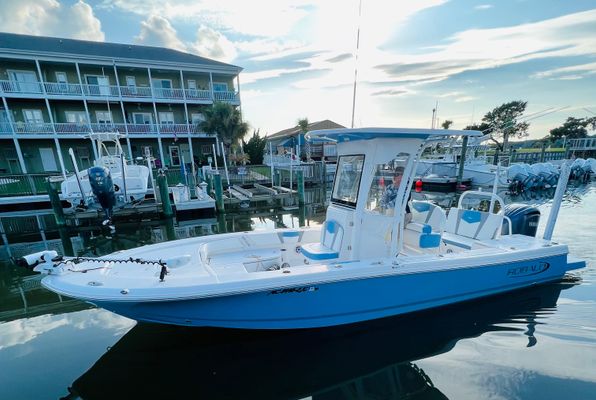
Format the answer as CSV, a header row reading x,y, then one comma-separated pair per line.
x,y
103,188
524,219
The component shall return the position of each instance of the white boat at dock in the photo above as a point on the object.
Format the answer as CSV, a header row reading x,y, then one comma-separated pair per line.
x,y
367,260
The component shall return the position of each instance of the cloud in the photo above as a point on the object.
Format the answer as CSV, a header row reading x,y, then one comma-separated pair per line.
x,y
483,7
51,18
340,57
157,31
465,99
213,44
391,92
567,73
476,49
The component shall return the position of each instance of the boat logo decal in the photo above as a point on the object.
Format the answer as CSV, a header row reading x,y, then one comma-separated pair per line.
x,y
528,270
296,290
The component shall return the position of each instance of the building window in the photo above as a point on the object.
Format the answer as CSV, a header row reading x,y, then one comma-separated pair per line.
x,y
76,117
174,156
166,118
192,84
220,87
33,116
103,117
61,77
162,83
131,85
24,81
206,149
197,118
142,118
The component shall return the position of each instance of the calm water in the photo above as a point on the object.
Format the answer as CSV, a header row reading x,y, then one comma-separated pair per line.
x,y
534,344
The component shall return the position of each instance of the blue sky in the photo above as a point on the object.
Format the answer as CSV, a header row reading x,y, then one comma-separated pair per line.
x,y
298,55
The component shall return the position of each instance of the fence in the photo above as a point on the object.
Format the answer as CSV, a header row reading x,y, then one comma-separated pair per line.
x,y
23,185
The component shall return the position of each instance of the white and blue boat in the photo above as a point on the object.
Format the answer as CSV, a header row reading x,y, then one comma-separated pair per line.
x,y
369,259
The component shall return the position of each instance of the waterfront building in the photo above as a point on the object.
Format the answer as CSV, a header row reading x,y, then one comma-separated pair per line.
x,y
292,139
56,91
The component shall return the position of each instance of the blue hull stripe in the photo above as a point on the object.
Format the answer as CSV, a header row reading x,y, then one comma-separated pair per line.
x,y
345,302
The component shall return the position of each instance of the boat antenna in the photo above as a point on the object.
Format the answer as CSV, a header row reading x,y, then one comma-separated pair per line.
x,y
435,111
356,61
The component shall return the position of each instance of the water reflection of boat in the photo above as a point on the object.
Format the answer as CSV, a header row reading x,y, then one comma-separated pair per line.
x,y
366,360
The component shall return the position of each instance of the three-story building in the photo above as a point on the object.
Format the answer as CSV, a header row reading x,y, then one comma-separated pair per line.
x,y
56,91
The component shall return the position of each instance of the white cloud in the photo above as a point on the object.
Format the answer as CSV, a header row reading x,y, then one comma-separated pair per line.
x,y
483,7
464,99
157,31
571,72
212,44
51,18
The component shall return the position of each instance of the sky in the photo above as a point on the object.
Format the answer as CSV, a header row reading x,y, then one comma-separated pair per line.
x,y
299,57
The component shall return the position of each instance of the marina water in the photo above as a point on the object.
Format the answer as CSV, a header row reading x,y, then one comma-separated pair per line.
x,y
535,343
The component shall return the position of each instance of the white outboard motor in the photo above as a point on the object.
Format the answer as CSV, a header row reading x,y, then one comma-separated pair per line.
x,y
592,163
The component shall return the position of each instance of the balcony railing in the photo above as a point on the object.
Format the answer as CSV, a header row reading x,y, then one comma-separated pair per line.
x,y
33,127
135,91
196,94
84,128
101,90
75,89
163,93
63,89
21,87
226,96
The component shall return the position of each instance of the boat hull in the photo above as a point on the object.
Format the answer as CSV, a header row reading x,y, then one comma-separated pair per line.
x,y
344,302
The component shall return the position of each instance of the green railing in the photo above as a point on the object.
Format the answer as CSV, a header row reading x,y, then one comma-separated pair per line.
x,y
23,185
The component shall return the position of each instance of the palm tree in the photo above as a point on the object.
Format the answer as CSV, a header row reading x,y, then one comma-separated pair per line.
x,y
225,121
303,125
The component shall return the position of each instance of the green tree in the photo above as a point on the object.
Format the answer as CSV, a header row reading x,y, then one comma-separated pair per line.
x,y
225,121
573,128
447,123
255,147
503,123
303,125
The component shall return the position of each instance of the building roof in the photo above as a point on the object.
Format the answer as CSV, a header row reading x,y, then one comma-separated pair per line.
x,y
61,46
319,125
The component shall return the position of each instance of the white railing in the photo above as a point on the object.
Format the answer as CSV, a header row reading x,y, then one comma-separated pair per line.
x,y
135,91
225,96
20,87
164,93
196,94
142,128
33,127
5,128
71,127
101,90
63,89
173,128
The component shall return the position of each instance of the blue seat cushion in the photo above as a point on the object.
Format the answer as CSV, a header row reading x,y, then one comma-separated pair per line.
x,y
429,240
317,251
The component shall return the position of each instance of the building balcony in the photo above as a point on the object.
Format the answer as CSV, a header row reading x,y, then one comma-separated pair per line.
x,y
68,128
52,89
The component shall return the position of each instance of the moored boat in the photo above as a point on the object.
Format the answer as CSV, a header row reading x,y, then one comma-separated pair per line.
x,y
367,260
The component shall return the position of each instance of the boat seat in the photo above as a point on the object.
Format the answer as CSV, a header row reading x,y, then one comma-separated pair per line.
x,y
421,237
329,246
473,224
424,212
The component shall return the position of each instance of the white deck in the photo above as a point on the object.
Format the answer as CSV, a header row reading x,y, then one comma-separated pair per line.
x,y
246,262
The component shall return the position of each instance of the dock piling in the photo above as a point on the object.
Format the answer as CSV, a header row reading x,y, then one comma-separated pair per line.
x,y
300,184
56,204
164,194
219,200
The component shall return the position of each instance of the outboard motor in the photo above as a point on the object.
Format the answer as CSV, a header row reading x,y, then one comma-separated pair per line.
x,y
524,219
103,189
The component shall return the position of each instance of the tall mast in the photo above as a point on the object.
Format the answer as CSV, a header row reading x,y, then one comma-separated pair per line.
x,y
356,62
